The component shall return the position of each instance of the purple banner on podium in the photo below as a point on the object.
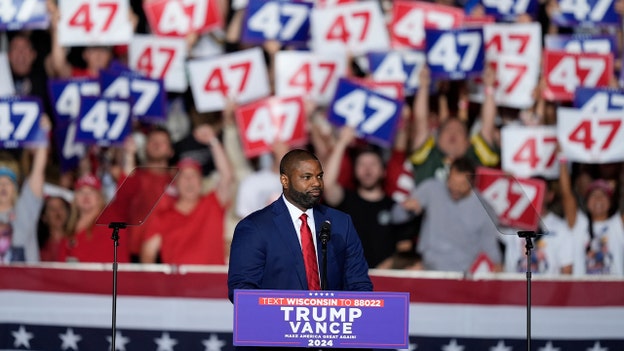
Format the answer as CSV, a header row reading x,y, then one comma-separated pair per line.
x,y
321,319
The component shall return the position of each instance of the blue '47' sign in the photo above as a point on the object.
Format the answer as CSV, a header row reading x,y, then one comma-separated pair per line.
x,y
147,94
375,116
103,121
19,122
284,21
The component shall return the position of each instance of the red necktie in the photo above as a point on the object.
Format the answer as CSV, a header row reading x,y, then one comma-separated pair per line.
x,y
309,255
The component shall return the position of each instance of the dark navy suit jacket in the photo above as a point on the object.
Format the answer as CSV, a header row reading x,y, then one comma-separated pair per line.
x,y
266,254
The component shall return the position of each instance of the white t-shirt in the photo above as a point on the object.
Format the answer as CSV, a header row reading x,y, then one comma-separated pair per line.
x,y
605,253
551,252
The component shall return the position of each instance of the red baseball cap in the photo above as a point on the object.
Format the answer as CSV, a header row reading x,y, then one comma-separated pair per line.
x,y
88,180
188,162
600,184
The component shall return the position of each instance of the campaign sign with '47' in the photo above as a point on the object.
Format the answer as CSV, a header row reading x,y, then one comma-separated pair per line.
x,y
321,319
517,202
374,115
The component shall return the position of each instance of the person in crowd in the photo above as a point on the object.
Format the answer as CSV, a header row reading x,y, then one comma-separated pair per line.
x,y
261,187
431,156
456,228
279,246
95,57
19,207
189,229
51,227
189,146
153,176
29,76
368,204
88,241
553,246
598,232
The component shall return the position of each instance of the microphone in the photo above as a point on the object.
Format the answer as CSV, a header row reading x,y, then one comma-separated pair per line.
x,y
325,232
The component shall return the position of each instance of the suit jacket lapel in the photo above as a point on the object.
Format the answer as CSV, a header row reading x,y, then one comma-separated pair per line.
x,y
288,235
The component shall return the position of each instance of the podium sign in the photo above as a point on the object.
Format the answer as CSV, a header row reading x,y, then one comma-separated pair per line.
x,y
321,319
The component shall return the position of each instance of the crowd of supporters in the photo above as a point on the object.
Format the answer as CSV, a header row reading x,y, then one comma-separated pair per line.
x,y
411,198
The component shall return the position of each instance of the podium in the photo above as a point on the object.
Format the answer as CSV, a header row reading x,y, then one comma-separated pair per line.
x,y
321,319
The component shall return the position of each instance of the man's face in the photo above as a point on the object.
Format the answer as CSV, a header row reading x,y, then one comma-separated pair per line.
x,y
304,185
189,183
158,147
453,139
458,184
97,58
369,170
21,56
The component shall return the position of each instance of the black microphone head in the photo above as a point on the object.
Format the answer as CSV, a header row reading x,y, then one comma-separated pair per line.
x,y
326,226
325,232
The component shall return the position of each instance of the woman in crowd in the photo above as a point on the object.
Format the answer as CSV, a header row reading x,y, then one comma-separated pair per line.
x,y
88,241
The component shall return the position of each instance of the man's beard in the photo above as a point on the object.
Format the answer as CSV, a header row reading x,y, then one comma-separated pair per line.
x,y
305,200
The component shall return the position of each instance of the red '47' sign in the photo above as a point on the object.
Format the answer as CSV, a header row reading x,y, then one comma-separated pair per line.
x,y
517,202
270,120
181,17
411,18
565,71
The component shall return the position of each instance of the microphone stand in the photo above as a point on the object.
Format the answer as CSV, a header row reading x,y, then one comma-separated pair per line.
x,y
115,226
528,237
324,240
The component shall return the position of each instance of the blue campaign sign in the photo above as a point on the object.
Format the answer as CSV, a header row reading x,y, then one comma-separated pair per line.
x,y
590,12
321,319
66,94
375,116
508,10
148,96
284,21
455,53
397,66
69,151
19,122
599,99
588,43
103,121
23,15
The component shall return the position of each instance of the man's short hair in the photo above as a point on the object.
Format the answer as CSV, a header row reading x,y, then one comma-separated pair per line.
x,y
294,156
464,165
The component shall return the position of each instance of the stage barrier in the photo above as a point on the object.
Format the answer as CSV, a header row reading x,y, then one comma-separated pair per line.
x,y
167,308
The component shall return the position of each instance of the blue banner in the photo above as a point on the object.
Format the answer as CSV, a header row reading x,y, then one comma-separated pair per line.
x,y
325,319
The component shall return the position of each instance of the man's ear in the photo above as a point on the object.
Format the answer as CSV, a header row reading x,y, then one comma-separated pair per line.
x,y
284,181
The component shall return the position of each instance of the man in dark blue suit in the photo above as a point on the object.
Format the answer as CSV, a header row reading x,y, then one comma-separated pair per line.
x,y
266,251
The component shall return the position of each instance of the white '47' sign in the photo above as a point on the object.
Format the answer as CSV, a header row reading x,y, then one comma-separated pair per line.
x,y
94,22
591,137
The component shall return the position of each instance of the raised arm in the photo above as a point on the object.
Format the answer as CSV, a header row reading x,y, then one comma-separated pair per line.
x,y
488,108
205,134
334,193
420,131
568,199
56,62
36,178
